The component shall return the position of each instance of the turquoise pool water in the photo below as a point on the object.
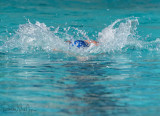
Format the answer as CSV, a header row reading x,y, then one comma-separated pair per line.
x,y
120,77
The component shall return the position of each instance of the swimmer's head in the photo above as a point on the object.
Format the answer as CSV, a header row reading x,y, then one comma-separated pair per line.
x,y
80,44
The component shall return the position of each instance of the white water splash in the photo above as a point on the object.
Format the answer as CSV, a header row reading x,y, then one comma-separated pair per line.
x,y
115,38
38,37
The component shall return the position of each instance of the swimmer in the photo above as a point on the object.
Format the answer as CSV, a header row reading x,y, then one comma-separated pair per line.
x,y
81,43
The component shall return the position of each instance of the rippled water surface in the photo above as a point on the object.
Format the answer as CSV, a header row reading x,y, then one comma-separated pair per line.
x,y
120,77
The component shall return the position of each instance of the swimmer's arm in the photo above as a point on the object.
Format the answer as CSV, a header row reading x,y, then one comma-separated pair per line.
x,y
92,41
68,42
56,50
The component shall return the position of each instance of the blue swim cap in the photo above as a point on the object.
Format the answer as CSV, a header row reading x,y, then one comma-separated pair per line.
x,y
80,44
